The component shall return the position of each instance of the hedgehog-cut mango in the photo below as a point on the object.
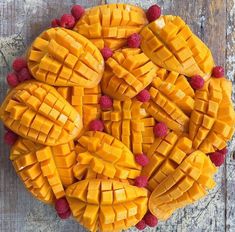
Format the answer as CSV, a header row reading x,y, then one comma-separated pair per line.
x,y
187,184
128,72
36,111
169,43
106,155
110,25
106,205
35,165
62,57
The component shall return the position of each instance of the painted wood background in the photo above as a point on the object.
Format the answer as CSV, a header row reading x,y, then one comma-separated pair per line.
x,y
22,20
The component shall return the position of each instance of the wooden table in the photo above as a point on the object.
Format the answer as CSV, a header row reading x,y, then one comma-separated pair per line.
x,y
22,20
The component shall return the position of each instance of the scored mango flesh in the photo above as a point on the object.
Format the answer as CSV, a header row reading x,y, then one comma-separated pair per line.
x,y
129,71
63,57
106,155
35,165
212,121
107,205
38,112
172,101
185,185
110,25
128,122
170,44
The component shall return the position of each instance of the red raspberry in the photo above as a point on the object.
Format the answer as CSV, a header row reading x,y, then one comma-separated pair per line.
x,y
106,52
197,82
10,137
55,23
153,13
217,158
160,130
218,72
61,205
150,219
67,21
143,96
65,215
141,225
12,79
142,159
96,125
77,11
134,41
24,75
19,63
141,181
224,151
106,102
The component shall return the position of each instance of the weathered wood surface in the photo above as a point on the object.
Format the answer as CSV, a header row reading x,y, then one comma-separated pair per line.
x,y
23,20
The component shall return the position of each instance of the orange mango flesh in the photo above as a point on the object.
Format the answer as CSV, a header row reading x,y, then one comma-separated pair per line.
x,y
35,165
63,57
85,101
170,44
185,185
213,119
129,71
36,111
106,205
103,154
128,122
110,25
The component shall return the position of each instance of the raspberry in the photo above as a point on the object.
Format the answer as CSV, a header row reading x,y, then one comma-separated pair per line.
x,y
61,205
10,138
141,225
142,159
224,151
160,130
143,96
65,215
217,158
77,11
12,79
153,13
197,82
55,23
218,72
141,181
19,63
67,21
134,41
106,102
96,125
106,52
24,75
150,219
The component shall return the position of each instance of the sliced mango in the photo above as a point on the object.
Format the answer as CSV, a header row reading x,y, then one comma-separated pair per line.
x,y
62,57
106,204
38,112
110,25
128,72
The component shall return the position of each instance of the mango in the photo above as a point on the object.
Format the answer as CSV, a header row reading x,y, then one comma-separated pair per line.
x,y
105,205
213,118
62,57
128,122
36,111
100,153
128,72
110,25
170,44
36,167
186,184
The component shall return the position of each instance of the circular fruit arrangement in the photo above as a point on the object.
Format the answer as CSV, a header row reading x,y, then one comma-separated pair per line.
x,y
117,116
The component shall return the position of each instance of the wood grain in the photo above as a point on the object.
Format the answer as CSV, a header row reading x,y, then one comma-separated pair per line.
x,y
22,20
